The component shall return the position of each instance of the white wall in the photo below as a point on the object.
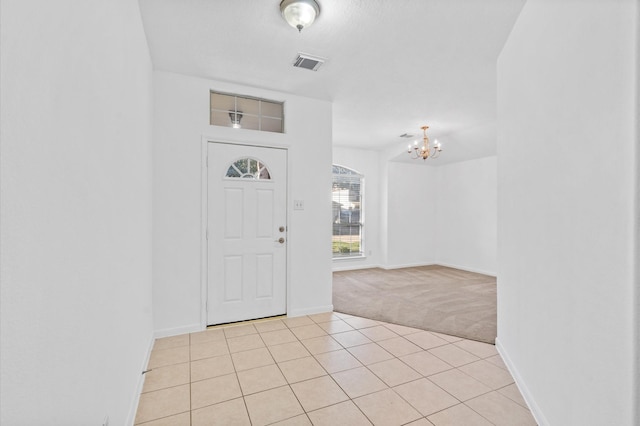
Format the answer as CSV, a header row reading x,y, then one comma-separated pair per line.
x,y
567,142
76,321
181,119
466,204
365,162
417,214
411,214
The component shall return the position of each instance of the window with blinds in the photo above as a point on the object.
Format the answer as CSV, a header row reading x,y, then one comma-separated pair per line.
x,y
346,195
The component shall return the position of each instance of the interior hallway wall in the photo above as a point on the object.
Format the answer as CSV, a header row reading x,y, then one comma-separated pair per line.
x,y
411,213
75,301
181,120
466,215
567,86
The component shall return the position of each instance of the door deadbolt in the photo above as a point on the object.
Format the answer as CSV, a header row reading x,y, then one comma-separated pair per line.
x,y
281,229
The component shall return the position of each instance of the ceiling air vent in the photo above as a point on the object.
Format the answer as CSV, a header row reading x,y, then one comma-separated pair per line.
x,y
406,135
308,62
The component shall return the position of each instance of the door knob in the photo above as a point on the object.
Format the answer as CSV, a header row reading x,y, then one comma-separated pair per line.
x,y
280,240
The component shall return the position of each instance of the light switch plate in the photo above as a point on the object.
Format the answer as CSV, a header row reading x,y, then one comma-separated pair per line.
x,y
298,204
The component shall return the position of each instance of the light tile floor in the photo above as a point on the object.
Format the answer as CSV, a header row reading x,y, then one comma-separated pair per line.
x,y
327,369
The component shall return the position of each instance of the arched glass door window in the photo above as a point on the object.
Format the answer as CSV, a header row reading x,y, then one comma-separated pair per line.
x,y
248,168
348,208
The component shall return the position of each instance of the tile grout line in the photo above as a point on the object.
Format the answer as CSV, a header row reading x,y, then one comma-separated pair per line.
x,y
421,376
142,392
289,384
510,384
190,381
334,381
349,351
416,408
235,372
475,411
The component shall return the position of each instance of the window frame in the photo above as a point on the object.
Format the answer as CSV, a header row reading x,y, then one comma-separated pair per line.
x,y
354,174
258,114
248,176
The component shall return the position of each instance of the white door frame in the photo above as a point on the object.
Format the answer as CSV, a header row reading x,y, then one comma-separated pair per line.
x,y
204,217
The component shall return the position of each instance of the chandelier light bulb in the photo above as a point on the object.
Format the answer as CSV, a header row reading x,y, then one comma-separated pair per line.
x,y
426,150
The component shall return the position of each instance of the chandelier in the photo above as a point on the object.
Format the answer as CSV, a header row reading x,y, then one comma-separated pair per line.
x,y
426,150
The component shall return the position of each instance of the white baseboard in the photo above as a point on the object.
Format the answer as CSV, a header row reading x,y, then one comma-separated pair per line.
x,y
537,413
310,311
353,267
131,418
412,265
168,332
406,265
465,268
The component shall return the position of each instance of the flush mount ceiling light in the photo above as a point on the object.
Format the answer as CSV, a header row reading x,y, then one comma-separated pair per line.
x,y
299,13
425,151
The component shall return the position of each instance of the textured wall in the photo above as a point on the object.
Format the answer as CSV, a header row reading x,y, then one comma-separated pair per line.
x,y
76,320
567,121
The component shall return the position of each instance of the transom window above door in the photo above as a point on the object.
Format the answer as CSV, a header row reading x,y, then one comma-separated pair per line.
x,y
248,168
244,112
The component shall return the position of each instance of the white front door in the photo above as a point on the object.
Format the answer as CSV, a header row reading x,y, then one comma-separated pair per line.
x,y
247,222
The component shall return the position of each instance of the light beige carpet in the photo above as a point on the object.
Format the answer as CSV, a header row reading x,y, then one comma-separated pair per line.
x,y
434,298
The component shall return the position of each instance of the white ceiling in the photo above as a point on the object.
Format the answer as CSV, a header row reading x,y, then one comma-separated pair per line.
x,y
392,66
